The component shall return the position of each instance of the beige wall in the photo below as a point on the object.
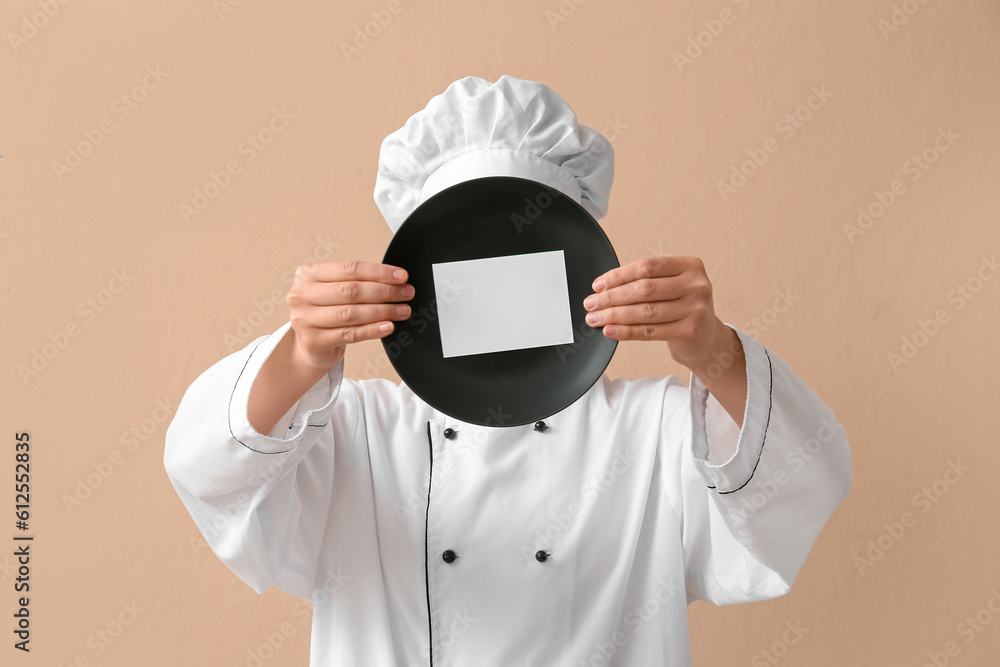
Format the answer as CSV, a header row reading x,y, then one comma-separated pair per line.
x,y
170,294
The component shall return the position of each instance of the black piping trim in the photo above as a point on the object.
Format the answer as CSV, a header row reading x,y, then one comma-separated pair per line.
x,y
229,415
770,391
427,576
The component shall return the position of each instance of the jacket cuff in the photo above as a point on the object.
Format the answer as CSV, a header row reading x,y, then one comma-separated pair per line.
x,y
734,473
312,410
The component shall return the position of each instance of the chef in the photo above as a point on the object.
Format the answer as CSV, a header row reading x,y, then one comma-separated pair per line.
x,y
579,540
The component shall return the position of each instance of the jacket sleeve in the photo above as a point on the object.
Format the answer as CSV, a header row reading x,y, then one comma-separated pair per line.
x,y
753,500
260,500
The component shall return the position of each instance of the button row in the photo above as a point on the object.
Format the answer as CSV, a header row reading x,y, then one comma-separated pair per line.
x,y
450,556
449,432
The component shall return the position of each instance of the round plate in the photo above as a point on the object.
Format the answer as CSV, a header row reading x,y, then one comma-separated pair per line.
x,y
496,217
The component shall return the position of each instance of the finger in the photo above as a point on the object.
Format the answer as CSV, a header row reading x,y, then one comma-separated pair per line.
x,y
352,291
350,315
656,312
647,267
638,291
354,269
330,338
664,332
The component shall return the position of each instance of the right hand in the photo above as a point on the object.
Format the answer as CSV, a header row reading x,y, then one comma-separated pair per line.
x,y
332,304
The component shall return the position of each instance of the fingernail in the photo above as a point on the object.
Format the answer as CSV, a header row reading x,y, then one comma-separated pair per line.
x,y
590,302
408,291
593,318
598,285
610,331
399,274
385,327
402,310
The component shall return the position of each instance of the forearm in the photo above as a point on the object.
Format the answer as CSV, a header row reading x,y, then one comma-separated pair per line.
x,y
283,379
724,372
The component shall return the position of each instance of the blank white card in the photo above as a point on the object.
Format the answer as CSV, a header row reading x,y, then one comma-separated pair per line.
x,y
502,303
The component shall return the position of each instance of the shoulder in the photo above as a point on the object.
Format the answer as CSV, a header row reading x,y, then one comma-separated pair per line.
x,y
620,392
636,399
380,400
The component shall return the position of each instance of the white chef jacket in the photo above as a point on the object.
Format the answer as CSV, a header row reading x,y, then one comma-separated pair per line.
x,y
424,540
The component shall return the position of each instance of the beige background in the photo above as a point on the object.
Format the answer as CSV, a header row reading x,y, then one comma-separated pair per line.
x,y
188,291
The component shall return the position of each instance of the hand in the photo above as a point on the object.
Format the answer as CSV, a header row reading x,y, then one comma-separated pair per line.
x,y
661,298
332,304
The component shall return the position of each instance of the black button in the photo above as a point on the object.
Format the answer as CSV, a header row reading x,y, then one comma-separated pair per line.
x,y
541,556
540,425
449,433
449,556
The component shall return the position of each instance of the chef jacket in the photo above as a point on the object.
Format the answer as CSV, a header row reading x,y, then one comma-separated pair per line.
x,y
576,541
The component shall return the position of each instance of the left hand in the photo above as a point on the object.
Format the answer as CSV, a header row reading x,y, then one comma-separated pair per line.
x,y
660,298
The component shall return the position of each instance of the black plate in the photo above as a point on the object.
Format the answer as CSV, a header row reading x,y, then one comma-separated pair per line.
x,y
495,217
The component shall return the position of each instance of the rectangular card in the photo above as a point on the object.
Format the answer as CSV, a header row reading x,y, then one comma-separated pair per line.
x,y
503,303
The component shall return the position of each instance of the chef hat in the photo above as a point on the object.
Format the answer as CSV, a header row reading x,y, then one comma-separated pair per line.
x,y
477,129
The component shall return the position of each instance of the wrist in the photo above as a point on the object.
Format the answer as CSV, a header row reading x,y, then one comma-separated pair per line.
x,y
723,354
302,364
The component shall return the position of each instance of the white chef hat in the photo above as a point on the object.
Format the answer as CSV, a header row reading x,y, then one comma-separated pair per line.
x,y
477,129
